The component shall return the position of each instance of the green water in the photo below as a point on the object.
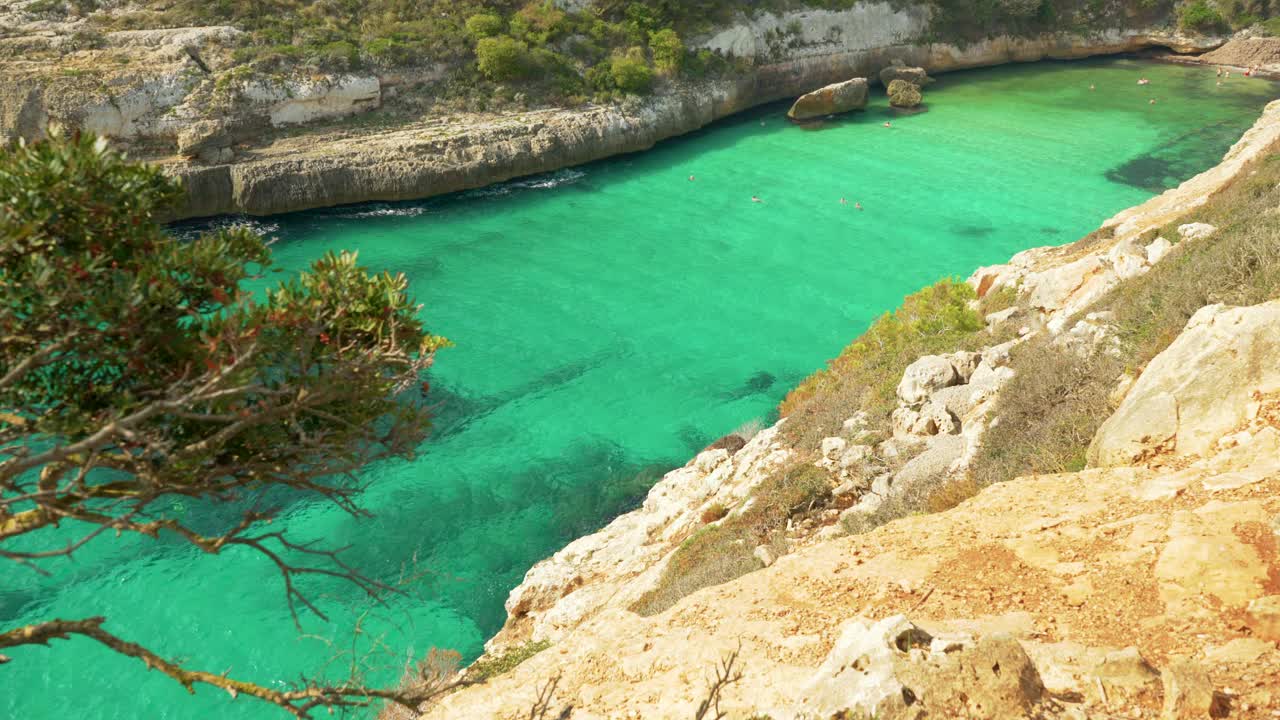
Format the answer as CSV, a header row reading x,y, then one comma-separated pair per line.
x,y
610,321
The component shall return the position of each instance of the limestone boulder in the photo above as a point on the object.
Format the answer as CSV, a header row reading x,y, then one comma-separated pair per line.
x,y
1196,231
894,669
1157,250
831,100
1198,390
205,140
925,375
903,94
898,71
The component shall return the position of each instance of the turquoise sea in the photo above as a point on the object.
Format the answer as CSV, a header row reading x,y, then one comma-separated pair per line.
x,y
611,320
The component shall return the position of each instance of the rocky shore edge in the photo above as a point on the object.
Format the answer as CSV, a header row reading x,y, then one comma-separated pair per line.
x,y
1094,588
415,162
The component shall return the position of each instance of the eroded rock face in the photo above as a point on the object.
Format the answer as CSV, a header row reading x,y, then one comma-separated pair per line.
x,y
831,100
1198,389
625,558
903,94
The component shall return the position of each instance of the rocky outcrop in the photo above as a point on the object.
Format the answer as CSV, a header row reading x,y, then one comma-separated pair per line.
x,y
903,94
830,100
1093,594
914,75
1246,52
623,561
300,101
1198,389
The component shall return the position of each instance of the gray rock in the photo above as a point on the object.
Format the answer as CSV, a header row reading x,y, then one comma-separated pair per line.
x,y
925,375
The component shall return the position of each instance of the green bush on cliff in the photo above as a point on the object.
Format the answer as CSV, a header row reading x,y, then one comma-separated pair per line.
x,y
668,50
1200,16
865,376
485,25
630,73
503,58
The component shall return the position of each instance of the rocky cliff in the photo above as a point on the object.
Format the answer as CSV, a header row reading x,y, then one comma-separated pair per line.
x,y
1146,584
251,144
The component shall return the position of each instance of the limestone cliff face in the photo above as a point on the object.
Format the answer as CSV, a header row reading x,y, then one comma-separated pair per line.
x,y
1086,586
178,77
418,162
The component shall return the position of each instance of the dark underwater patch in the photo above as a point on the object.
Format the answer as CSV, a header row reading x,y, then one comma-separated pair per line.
x,y
973,231
1146,172
754,385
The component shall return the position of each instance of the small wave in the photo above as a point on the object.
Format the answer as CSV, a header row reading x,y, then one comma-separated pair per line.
x,y
192,229
537,182
385,212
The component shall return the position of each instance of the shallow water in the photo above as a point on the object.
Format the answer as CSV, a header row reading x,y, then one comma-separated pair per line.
x,y
610,321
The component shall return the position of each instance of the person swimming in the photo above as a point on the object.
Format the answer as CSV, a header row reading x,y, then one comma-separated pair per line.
x,y
886,124
1091,87
756,199
843,201
858,205
691,178
1152,101
1218,72
1144,81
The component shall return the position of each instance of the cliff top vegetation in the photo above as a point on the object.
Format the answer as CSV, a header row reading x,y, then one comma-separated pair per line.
x,y
566,52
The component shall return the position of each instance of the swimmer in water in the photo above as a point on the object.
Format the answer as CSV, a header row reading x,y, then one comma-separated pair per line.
x,y
690,178
886,124
1218,72
756,199
1091,87
843,201
1152,101
858,205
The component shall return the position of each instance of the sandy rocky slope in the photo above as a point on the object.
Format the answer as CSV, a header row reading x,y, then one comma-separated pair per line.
x,y
1147,585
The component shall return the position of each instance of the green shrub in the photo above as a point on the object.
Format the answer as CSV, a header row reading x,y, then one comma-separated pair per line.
x,y
865,376
488,668
538,22
706,64
339,54
503,58
485,25
630,73
1200,17
389,52
668,50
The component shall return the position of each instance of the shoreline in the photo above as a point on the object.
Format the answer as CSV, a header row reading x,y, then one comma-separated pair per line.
x,y
432,159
